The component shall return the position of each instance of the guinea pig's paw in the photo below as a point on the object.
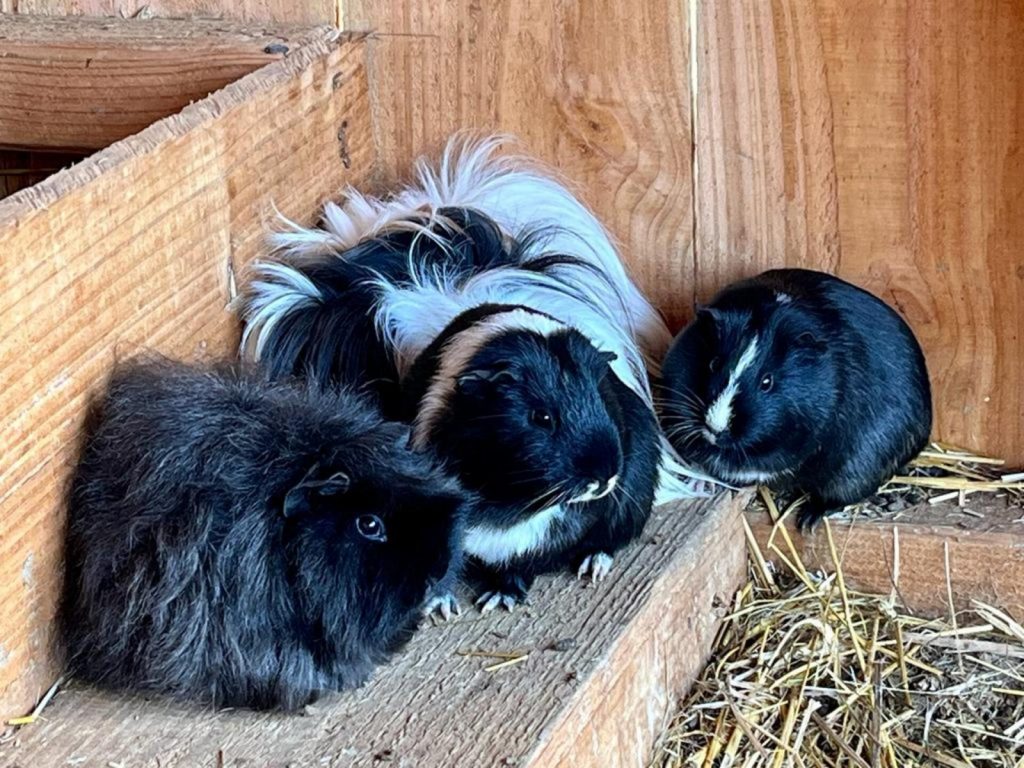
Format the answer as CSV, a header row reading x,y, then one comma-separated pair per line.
x,y
442,607
809,517
597,566
489,601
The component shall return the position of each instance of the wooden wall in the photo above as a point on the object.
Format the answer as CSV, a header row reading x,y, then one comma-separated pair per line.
x,y
599,89
885,141
879,139
298,11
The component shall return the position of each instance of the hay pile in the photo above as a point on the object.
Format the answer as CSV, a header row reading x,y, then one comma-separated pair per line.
x,y
808,673
941,473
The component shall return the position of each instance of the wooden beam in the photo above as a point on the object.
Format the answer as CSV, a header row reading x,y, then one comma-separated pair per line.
x,y
134,248
883,141
606,666
599,90
252,11
909,555
80,83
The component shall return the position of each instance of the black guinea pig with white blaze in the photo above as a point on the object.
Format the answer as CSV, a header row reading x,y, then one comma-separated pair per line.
x,y
242,543
488,308
798,380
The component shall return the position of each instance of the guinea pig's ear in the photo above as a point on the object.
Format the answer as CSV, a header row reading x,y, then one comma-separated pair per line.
x,y
706,315
607,358
808,340
298,501
488,375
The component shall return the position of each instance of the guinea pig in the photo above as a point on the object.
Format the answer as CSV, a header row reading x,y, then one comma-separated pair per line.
x,y
798,380
245,543
562,455
487,307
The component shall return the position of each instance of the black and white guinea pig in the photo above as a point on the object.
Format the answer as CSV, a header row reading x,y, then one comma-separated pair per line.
x,y
561,454
797,379
247,544
523,408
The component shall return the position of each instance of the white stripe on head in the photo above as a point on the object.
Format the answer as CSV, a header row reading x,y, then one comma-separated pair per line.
x,y
720,413
457,354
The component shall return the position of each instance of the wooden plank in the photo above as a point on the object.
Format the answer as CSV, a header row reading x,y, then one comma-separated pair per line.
x,y
882,140
600,90
86,83
629,647
274,11
132,249
908,554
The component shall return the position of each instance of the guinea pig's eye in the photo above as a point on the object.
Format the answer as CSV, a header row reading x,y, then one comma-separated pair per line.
x,y
371,527
767,382
542,419
714,364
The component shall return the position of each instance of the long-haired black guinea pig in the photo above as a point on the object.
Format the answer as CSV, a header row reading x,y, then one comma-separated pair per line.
x,y
798,380
486,306
247,544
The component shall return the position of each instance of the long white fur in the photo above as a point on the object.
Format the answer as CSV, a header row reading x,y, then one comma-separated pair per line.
x,y
521,198
278,291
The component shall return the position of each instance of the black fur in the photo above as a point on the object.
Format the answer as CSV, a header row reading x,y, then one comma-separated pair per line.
x,y
247,544
337,343
486,436
489,435
848,401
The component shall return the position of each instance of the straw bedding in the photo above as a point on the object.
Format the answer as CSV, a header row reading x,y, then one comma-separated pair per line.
x,y
806,672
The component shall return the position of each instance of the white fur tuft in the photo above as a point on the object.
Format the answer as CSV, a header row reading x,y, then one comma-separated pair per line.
x,y
720,413
276,291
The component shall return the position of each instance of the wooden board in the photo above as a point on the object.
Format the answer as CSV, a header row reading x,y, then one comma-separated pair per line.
x,y
132,249
883,140
600,90
277,11
86,83
630,647
909,555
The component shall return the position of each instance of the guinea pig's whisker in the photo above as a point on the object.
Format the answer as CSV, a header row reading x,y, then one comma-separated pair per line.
x,y
688,396
547,498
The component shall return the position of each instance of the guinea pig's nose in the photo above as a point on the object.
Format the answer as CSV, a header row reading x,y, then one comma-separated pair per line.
x,y
599,462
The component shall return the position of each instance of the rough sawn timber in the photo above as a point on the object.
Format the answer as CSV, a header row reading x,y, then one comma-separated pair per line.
x,y
908,555
82,84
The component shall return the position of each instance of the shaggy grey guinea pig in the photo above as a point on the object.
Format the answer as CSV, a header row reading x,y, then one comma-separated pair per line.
x,y
247,544
798,380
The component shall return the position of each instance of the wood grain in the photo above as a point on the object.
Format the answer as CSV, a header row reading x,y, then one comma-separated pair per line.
x,y
629,647
600,90
908,555
883,141
86,83
277,11
132,249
